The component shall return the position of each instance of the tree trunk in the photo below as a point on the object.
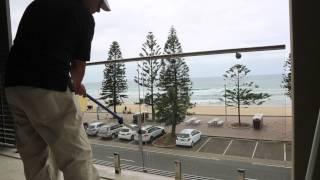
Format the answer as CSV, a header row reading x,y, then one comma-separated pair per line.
x,y
152,104
114,89
173,129
152,84
175,106
153,112
239,114
238,98
115,108
114,98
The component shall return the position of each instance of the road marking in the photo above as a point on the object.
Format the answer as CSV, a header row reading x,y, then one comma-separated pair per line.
x,y
159,152
98,161
284,152
128,160
204,144
254,151
227,147
272,165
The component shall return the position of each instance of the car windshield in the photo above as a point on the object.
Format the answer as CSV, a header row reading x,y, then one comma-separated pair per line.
x,y
124,130
183,135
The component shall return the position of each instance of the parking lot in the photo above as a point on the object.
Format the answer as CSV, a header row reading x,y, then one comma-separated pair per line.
x,y
272,142
255,149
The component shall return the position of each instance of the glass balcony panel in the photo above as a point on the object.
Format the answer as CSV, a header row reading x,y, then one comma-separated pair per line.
x,y
217,153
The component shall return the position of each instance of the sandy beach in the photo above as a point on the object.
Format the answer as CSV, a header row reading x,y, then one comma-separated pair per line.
x,y
277,120
213,110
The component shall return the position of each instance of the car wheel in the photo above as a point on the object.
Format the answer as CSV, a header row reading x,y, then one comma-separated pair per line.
x,y
163,132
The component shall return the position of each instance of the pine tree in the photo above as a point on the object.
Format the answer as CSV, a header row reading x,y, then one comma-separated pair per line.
x,y
241,92
114,83
149,70
174,86
286,77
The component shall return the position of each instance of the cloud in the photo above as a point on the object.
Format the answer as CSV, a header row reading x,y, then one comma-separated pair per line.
x,y
201,25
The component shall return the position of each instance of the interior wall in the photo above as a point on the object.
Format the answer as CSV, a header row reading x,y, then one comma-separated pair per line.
x,y
7,136
306,79
5,31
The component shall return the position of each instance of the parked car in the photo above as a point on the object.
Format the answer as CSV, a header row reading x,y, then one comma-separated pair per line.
x,y
109,130
149,133
127,133
188,137
93,128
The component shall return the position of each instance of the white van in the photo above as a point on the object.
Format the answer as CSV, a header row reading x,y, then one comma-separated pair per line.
x,y
109,130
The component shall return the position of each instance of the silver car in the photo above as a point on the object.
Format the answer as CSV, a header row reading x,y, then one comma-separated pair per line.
x,y
109,130
149,133
93,128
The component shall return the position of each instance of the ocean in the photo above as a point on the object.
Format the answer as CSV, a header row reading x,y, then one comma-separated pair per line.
x,y
208,90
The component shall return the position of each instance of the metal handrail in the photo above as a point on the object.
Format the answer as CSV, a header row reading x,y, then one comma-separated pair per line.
x,y
188,54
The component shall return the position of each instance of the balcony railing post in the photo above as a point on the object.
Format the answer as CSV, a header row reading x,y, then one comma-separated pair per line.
x,y
117,168
242,174
177,165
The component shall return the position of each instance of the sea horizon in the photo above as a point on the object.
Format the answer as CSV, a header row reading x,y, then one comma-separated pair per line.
x,y
208,90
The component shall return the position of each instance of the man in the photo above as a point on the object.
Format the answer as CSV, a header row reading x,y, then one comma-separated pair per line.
x,y
46,61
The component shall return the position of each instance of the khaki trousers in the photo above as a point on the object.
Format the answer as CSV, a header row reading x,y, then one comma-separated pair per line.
x,y
50,121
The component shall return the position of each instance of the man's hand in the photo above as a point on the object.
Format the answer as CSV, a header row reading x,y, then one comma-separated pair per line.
x,y
77,72
79,89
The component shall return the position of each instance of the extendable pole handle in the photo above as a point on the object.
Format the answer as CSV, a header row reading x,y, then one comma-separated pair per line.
x,y
120,119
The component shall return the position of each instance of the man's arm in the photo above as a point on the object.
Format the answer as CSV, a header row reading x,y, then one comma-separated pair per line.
x,y
77,72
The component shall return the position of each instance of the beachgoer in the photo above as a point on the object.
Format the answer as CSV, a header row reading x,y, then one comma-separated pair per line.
x,y
46,62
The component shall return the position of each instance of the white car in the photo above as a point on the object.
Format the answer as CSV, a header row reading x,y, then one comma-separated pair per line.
x,y
188,137
93,128
149,133
127,133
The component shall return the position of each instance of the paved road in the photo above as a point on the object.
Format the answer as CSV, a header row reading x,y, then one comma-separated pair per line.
x,y
213,168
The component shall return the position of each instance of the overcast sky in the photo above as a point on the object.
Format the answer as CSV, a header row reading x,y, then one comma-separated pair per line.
x,y
201,25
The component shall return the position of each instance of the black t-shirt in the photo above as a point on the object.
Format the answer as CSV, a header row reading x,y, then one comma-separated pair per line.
x,y
50,35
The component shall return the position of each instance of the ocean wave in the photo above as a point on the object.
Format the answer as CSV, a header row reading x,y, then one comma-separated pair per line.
x,y
209,90
200,89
